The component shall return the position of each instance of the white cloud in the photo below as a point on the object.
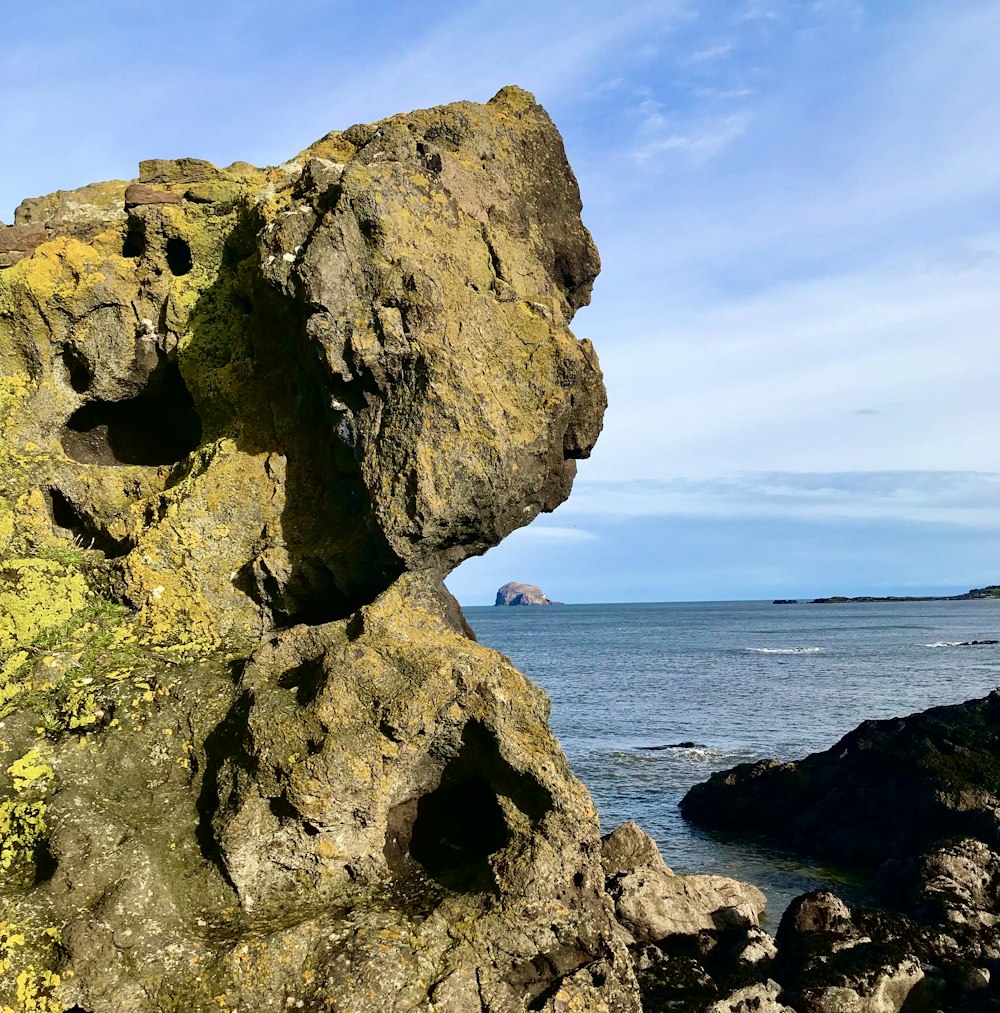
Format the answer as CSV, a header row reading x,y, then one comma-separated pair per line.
x,y
234,91
769,380
710,53
761,12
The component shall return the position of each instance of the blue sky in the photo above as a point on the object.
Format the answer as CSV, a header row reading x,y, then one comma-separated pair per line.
x,y
797,209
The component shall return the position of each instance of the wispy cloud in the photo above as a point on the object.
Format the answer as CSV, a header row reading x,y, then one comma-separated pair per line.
x,y
964,499
769,378
761,12
699,143
553,533
248,94
710,53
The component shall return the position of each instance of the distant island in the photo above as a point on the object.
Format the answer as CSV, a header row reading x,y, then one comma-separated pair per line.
x,y
975,594
514,593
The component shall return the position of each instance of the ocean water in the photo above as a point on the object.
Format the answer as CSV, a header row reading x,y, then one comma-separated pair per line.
x,y
741,680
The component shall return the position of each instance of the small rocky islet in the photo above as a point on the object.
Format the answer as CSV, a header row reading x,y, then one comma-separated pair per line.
x,y
516,594
256,760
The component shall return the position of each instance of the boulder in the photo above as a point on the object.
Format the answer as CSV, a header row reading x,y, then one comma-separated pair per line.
x,y
832,959
887,988
628,849
652,903
955,884
763,997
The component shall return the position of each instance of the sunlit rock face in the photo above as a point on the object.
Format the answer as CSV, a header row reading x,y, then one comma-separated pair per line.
x,y
251,418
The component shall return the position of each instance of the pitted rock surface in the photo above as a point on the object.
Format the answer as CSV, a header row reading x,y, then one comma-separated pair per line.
x,y
272,392
251,418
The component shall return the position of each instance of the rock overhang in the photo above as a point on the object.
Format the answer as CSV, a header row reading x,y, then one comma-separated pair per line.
x,y
372,336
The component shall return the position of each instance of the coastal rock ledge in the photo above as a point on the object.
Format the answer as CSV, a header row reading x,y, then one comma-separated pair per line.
x,y
255,760
918,797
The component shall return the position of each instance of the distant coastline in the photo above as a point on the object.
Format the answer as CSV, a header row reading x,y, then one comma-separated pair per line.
x,y
991,591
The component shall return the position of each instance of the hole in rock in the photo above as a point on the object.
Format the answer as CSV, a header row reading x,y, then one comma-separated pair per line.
x,y
315,594
224,744
135,239
45,864
306,679
179,258
78,370
284,809
160,426
458,826
84,532
453,830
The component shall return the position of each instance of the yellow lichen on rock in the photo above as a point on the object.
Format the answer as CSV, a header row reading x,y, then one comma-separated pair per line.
x,y
37,595
27,985
32,770
252,418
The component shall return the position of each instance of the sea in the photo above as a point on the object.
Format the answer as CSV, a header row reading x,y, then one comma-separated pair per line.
x,y
741,681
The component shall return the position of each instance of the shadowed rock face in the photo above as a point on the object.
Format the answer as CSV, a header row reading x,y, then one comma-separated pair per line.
x,y
251,418
918,794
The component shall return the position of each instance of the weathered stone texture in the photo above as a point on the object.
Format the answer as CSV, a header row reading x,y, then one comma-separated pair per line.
x,y
251,418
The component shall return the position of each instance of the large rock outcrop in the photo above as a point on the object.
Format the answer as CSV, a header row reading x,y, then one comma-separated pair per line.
x,y
888,789
917,794
251,419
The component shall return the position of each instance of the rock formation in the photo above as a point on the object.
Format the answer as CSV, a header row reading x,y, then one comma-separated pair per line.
x,y
255,760
514,593
251,418
917,794
888,789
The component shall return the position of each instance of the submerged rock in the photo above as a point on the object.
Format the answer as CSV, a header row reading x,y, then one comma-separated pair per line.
x,y
251,418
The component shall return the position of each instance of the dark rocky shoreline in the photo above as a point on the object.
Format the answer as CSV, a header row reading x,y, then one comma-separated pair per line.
x,y
917,799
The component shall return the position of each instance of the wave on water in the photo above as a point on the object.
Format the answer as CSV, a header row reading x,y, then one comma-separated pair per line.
x,y
692,752
643,754
785,650
964,643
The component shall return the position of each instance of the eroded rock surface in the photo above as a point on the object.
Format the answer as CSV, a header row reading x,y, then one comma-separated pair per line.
x,y
251,418
271,393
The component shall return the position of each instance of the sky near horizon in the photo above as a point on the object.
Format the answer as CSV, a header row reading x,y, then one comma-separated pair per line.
x,y
796,205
